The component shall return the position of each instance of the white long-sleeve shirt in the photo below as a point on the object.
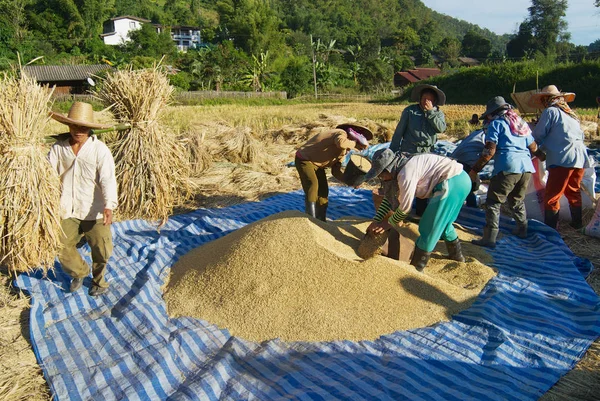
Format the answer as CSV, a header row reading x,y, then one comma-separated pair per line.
x,y
421,174
88,181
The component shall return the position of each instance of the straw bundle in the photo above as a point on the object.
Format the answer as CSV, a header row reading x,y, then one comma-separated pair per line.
x,y
29,189
198,154
239,146
151,163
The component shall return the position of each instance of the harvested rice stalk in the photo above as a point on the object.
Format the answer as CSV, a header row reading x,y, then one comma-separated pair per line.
x,y
198,154
239,146
29,189
151,163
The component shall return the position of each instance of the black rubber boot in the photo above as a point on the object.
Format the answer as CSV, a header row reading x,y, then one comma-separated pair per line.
x,y
454,250
489,238
520,230
576,217
420,258
321,212
310,209
551,218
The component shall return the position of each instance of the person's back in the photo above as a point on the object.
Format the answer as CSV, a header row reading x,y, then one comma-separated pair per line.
x,y
512,151
561,137
469,149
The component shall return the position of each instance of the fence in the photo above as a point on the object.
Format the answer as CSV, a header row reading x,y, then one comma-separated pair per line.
x,y
199,95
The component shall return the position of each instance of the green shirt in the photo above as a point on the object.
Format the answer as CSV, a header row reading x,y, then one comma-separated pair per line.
x,y
417,130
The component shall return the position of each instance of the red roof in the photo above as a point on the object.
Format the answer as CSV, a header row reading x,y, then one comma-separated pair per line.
x,y
424,73
408,76
403,78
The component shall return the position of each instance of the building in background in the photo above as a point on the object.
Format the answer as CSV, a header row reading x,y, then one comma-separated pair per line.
x,y
66,79
405,78
116,32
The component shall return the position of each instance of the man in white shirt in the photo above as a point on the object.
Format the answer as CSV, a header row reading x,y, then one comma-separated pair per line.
x,y
88,196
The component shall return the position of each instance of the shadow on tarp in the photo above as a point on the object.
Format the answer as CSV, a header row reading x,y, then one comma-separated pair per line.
x,y
529,326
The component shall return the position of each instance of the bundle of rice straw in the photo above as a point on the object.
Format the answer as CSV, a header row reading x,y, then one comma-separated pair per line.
x,y
151,163
239,146
29,189
197,152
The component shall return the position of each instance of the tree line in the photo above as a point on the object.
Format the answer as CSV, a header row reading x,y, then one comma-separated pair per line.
x,y
291,45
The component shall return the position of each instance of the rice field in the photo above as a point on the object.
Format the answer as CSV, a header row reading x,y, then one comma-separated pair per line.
x,y
260,141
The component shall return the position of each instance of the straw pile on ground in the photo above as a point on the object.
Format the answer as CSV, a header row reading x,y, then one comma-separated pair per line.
x,y
295,278
29,189
199,157
151,163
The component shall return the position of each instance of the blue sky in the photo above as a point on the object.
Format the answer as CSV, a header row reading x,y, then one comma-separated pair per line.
x,y
506,15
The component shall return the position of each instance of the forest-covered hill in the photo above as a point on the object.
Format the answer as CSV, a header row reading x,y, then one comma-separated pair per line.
x,y
252,44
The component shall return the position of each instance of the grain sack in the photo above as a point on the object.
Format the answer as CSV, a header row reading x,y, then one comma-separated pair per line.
x,y
298,279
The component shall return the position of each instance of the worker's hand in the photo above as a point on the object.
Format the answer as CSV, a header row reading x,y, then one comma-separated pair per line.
x,y
427,105
473,175
378,227
540,155
108,215
361,146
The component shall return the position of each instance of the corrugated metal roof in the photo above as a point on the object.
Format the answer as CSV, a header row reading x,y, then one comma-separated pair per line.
x,y
57,73
408,76
424,73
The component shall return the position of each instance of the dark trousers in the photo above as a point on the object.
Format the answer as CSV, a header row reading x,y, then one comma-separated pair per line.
x,y
507,187
471,198
314,181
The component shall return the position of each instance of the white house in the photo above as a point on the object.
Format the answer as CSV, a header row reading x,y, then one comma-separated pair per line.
x,y
116,30
186,37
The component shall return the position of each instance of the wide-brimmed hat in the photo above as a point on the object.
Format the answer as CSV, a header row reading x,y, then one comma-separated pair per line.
x,y
536,100
386,160
80,114
493,105
415,94
358,128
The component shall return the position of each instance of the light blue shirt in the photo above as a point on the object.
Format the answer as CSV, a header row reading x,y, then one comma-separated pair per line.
x,y
512,152
561,137
469,149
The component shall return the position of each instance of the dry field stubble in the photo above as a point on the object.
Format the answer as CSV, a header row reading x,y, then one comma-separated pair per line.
x,y
225,183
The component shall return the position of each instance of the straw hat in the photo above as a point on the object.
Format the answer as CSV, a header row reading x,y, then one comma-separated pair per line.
x,y
415,94
360,129
494,104
536,100
80,114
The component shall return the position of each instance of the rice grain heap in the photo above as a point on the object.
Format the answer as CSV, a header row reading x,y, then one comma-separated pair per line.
x,y
151,163
29,189
298,279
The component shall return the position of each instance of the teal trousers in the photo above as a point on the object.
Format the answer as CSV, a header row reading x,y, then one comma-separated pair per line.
x,y
442,211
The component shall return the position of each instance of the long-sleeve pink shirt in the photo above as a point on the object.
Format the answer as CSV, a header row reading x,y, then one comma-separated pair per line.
x,y
421,174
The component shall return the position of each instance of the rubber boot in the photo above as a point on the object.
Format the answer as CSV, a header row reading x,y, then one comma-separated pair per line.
x,y
551,218
420,258
454,250
310,209
321,212
576,217
520,230
489,238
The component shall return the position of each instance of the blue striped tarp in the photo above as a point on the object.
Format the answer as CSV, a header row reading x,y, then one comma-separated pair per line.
x,y
529,326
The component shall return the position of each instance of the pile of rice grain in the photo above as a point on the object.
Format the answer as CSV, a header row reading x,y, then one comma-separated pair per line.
x,y
297,279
